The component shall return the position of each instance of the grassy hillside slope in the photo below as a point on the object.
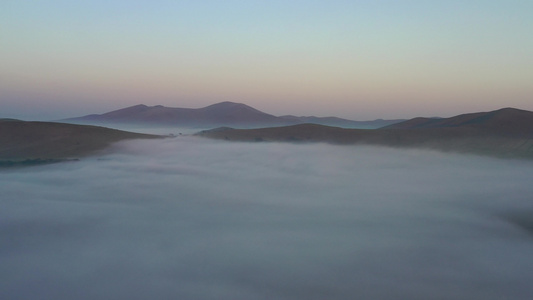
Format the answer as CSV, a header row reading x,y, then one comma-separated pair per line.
x,y
20,140
503,133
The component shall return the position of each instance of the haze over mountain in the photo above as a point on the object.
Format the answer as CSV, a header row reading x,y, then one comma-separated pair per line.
x,y
221,114
339,122
506,132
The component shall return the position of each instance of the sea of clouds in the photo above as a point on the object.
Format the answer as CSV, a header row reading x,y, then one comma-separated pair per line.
x,y
191,218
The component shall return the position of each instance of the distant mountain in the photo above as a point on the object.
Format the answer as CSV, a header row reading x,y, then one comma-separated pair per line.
x,y
505,133
221,114
339,122
38,141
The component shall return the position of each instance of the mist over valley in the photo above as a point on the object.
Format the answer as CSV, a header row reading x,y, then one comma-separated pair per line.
x,y
254,150
195,218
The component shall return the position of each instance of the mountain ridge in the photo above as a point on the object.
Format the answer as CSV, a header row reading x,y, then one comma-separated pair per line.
x,y
503,133
220,114
504,121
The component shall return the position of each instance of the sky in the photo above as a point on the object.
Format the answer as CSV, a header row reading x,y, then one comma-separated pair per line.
x,y
360,60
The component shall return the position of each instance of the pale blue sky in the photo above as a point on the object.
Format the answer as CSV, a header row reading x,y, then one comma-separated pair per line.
x,y
354,59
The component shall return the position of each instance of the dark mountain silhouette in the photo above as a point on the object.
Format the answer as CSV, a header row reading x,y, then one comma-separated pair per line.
x,y
506,133
505,121
221,114
44,141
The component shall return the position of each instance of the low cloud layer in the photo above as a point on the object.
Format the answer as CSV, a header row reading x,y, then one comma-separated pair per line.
x,y
189,218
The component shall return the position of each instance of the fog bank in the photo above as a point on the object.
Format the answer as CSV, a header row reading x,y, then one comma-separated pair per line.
x,y
189,218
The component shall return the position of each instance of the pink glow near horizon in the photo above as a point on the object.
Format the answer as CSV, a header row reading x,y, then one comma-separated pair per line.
x,y
353,60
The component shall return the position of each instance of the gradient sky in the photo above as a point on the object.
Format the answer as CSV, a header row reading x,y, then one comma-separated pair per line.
x,y
354,59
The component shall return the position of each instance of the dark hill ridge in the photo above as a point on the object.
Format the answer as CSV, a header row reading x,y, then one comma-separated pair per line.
x,y
503,133
505,121
20,140
221,114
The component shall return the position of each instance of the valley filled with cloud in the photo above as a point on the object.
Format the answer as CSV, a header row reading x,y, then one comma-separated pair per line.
x,y
192,218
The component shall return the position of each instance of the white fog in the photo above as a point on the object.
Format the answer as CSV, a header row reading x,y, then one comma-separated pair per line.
x,y
191,218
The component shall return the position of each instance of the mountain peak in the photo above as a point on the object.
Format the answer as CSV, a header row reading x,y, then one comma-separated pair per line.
x,y
137,106
227,104
230,107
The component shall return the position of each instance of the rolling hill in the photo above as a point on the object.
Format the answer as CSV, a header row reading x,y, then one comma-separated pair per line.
x,y
505,121
506,133
232,114
21,140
